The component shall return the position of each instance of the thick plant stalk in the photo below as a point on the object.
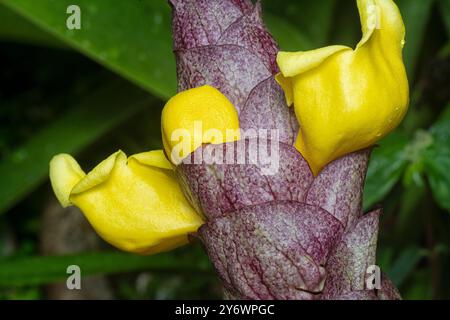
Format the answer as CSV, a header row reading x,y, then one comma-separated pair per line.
x,y
284,236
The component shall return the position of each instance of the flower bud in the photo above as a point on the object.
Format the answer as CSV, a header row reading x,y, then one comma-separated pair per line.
x,y
197,116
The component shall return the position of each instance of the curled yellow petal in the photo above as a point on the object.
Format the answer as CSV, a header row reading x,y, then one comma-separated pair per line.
x,y
197,116
294,63
346,100
65,173
286,85
135,204
155,158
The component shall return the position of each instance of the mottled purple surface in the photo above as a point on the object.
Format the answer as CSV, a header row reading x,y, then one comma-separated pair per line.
x,y
199,23
281,236
348,262
224,43
351,257
249,32
266,104
217,189
230,68
272,251
289,207
339,187
388,290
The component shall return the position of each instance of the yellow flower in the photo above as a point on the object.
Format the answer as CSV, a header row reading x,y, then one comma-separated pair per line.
x,y
346,100
197,116
136,204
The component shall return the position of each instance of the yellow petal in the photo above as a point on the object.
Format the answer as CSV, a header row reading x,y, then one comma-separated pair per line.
x,y
382,24
155,158
286,85
197,116
65,173
294,63
346,100
369,14
135,204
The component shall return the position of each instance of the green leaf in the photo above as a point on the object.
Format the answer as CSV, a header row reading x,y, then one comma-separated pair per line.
x,y
385,168
27,167
437,163
131,37
310,17
49,269
414,151
288,37
416,15
405,264
17,29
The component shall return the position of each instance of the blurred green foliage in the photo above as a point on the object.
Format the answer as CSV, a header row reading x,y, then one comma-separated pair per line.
x,y
92,91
